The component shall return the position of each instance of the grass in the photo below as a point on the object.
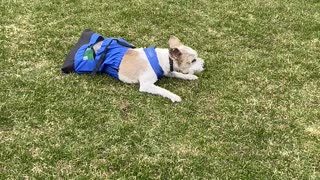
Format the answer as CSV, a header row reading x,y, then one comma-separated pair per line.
x,y
253,113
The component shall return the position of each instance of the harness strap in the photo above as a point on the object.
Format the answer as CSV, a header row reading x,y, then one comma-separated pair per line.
x,y
103,55
153,60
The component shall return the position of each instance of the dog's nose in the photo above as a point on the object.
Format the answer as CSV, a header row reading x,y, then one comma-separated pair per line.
x,y
204,65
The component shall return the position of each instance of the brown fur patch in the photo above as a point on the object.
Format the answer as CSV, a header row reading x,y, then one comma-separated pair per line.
x,y
175,54
132,66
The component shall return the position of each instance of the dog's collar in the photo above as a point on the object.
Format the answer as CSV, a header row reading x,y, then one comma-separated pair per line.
x,y
171,64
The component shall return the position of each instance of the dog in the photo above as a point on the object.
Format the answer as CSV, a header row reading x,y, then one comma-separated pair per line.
x,y
177,61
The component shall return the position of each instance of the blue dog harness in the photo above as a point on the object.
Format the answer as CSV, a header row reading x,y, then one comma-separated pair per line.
x,y
153,60
108,58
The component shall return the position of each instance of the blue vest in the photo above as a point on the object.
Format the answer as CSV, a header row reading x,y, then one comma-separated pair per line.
x,y
112,60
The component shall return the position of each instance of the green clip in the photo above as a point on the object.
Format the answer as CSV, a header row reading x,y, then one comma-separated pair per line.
x,y
88,54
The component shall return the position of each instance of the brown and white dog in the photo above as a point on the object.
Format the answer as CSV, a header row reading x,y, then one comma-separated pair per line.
x,y
135,67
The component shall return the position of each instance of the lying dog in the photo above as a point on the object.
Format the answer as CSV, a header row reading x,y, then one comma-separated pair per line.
x,y
178,61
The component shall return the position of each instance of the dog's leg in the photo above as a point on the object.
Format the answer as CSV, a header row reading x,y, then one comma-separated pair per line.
x,y
153,89
182,76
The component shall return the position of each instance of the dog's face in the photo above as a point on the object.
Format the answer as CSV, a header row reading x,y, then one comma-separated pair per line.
x,y
186,59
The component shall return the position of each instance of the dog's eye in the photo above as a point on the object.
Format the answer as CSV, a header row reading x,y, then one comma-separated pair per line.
x,y
194,60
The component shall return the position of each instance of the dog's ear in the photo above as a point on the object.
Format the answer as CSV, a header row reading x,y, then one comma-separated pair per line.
x,y
175,53
174,42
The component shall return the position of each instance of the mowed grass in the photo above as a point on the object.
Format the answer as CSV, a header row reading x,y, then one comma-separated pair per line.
x,y
253,114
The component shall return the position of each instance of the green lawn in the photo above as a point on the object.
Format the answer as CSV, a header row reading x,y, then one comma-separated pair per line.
x,y
253,114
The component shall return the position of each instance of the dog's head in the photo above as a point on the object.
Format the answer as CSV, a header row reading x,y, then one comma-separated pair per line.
x,y
185,59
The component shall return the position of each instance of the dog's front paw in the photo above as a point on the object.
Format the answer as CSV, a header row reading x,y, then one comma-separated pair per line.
x,y
175,98
191,77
